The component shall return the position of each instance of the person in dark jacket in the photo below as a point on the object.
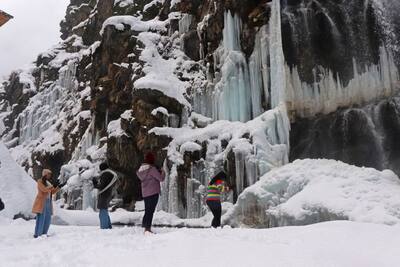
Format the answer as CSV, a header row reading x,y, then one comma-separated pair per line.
x,y
105,186
214,190
150,178
1,205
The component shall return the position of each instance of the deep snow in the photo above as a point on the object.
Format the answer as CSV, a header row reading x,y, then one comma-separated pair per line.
x,y
17,189
339,243
310,191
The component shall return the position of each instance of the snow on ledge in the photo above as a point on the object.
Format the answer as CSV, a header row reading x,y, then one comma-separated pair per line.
x,y
161,110
135,24
114,129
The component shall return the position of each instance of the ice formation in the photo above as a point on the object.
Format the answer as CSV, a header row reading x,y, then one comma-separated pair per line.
x,y
267,149
328,93
44,109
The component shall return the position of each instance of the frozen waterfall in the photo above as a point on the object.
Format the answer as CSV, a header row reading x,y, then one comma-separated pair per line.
x,y
44,108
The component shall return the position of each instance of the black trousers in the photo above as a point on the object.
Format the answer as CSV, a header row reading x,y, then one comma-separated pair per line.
x,y
216,209
150,204
1,205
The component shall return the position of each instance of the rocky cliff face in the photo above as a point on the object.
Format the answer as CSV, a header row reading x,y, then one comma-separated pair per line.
x,y
206,85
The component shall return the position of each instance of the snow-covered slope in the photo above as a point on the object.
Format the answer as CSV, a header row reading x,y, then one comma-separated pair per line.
x,y
17,189
344,244
310,191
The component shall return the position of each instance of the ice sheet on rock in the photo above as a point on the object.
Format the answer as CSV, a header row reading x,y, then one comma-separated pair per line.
x,y
310,191
17,189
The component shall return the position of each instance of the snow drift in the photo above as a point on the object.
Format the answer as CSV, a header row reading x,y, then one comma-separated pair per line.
x,y
17,189
310,191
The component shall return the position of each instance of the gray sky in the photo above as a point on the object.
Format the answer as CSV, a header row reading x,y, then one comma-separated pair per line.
x,y
34,29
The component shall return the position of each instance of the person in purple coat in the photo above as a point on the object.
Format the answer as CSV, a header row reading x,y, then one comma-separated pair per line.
x,y
150,178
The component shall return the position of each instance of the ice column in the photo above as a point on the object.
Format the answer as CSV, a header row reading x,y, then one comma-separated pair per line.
x,y
277,59
173,198
258,68
233,97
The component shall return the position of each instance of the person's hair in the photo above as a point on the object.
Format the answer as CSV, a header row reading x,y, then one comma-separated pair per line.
x,y
103,166
149,158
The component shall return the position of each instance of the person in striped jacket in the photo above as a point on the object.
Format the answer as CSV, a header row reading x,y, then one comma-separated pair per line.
x,y
214,190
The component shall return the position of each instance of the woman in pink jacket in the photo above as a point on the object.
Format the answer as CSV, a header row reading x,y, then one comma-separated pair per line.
x,y
150,177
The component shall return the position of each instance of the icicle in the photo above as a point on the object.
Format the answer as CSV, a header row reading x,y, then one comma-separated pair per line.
x,y
327,94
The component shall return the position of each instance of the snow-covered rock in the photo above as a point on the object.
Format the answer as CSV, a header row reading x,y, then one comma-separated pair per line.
x,y
310,191
17,189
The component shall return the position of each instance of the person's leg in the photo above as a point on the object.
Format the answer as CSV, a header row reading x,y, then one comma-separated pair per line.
x,y
108,220
150,204
218,213
39,225
145,220
213,205
47,216
103,219
152,209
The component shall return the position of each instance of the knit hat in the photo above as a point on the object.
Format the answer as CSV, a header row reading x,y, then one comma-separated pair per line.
x,y
217,182
149,158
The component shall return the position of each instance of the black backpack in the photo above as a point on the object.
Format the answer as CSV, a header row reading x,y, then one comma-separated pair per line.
x,y
1,205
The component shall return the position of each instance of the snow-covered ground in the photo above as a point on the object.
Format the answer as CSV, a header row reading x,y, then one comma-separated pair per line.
x,y
340,243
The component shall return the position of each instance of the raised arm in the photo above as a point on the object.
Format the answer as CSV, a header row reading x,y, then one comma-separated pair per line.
x,y
160,176
55,190
43,188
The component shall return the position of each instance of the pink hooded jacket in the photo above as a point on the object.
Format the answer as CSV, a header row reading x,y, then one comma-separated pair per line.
x,y
150,178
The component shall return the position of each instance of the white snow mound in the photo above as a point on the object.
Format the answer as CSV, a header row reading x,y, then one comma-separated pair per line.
x,y
310,191
17,189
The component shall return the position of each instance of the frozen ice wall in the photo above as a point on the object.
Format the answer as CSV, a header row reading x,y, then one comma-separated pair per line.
x,y
44,108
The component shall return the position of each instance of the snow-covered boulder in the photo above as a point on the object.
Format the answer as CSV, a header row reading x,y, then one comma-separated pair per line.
x,y
310,191
17,189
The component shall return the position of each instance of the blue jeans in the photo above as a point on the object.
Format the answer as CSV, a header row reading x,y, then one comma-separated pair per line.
x,y
43,219
105,222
